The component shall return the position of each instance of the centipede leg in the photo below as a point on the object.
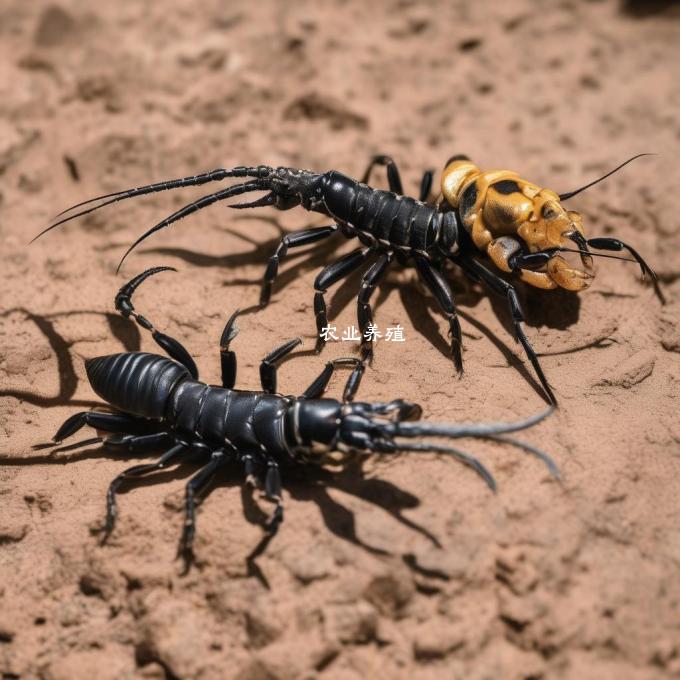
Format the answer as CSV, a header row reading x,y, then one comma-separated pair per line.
x,y
252,468
274,493
393,177
268,364
326,278
134,471
441,290
425,186
197,484
300,238
137,443
173,347
318,387
479,272
109,422
368,283
227,356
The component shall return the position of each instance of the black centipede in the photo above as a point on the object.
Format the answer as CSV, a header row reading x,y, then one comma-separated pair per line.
x,y
159,403
523,229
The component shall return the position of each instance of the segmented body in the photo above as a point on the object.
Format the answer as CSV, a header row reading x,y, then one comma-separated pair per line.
x,y
155,387
385,220
161,403
523,228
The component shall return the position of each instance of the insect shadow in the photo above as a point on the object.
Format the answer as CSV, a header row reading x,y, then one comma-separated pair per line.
x,y
126,333
308,484
640,9
560,311
302,260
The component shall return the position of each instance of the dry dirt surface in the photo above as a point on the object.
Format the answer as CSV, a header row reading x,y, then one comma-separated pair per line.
x,y
402,568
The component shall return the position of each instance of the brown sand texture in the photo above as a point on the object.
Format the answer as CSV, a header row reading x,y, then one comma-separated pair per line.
x,y
401,568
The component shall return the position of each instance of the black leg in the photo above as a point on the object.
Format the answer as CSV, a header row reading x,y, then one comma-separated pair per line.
x,y
328,276
393,178
227,356
137,443
368,283
134,471
479,272
274,493
173,347
425,186
318,387
441,290
604,243
197,484
268,365
252,467
295,240
109,422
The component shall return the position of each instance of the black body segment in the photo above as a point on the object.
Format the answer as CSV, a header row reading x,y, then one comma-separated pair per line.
x,y
493,207
384,218
136,382
162,406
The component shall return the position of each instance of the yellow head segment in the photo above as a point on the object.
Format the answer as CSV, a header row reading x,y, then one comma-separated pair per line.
x,y
506,215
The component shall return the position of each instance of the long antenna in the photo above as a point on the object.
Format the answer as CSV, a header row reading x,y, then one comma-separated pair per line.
x,y
570,194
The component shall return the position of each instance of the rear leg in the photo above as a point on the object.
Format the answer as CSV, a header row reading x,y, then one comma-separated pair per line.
x,y
134,471
173,347
196,486
109,422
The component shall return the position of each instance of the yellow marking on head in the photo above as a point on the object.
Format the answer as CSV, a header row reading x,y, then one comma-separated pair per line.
x,y
493,214
505,212
455,177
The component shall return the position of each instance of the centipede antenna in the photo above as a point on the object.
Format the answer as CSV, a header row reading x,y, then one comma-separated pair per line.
x,y
264,201
463,457
592,254
531,449
201,203
195,180
571,194
480,430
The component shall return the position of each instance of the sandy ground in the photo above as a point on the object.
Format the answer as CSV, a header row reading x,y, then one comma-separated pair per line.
x,y
408,568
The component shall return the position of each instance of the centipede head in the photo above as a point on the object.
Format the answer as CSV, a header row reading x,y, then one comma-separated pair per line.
x,y
507,216
549,226
328,432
